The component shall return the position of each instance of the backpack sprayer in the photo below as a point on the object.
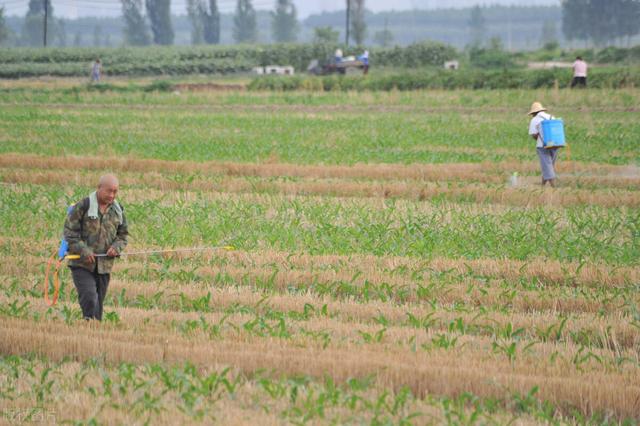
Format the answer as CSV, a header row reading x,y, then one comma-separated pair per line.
x,y
553,135
58,258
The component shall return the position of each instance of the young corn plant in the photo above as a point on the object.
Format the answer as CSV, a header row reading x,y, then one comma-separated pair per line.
x,y
373,337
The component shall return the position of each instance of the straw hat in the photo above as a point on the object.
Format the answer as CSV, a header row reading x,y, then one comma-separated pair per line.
x,y
536,107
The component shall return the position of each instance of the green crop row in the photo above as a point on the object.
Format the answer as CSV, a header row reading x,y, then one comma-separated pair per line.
x,y
445,79
28,62
480,313
352,227
147,391
167,67
391,136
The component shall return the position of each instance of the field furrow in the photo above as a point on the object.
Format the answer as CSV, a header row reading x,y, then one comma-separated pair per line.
x,y
393,258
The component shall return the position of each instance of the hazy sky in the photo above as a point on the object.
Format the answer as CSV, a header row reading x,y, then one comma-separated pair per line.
x,y
307,7
73,8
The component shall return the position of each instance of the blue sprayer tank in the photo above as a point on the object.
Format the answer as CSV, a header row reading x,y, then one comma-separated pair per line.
x,y
64,245
553,133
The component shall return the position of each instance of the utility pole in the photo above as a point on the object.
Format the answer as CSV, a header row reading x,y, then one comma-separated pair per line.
x,y
46,16
346,38
509,38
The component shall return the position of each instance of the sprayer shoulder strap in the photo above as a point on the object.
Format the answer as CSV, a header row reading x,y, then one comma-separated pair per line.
x,y
84,205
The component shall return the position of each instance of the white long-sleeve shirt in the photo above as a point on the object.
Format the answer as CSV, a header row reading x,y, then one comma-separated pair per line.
x,y
535,127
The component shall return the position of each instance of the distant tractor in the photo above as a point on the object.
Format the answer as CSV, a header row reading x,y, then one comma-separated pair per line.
x,y
349,66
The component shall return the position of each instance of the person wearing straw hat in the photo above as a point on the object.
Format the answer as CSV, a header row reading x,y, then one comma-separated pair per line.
x,y
548,156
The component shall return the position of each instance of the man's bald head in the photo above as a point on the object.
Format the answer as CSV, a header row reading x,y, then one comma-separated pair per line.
x,y
108,179
108,186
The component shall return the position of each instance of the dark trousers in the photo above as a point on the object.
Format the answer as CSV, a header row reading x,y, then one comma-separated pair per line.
x,y
92,289
579,81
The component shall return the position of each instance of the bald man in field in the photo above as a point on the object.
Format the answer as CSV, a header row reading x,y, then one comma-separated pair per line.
x,y
96,229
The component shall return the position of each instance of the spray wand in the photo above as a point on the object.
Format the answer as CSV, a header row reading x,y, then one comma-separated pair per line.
x,y
62,255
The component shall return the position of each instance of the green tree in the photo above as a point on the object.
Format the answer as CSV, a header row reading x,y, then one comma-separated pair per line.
x,y
97,35
493,56
205,21
244,23
284,23
477,25
628,22
211,23
195,10
159,12
358,23
574,19
33,27
136,32
326,35
4,29
603,16
549,34
385,37
600,21
62,33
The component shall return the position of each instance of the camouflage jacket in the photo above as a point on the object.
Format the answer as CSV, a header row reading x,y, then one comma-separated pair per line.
x,y
86,235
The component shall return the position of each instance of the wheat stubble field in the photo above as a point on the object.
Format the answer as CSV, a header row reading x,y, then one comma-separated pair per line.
x,y
385,269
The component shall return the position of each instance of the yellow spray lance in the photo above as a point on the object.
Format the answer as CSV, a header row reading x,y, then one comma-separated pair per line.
x,y
63,255
58,263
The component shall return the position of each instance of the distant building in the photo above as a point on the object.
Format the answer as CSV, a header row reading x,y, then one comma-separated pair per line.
x,y
452,65
274,69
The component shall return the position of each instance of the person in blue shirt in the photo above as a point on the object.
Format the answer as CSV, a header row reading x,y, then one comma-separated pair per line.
x,y
365,60
96,70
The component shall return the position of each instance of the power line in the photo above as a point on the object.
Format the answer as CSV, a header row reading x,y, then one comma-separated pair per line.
x,y
46,16
14,6
90,2
346,38
115,5
111,2
88,5
12,2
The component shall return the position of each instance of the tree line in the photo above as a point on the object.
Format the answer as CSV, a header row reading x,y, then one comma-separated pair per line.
x,y
204,16
597,21
205,21
600,21
145,22
149,22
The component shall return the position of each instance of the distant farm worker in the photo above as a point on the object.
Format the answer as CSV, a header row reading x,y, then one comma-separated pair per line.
x,y
338,55
548,156
96,226
364,58
96,69
579,73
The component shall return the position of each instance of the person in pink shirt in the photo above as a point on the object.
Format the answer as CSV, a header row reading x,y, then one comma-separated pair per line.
x,y
579,73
